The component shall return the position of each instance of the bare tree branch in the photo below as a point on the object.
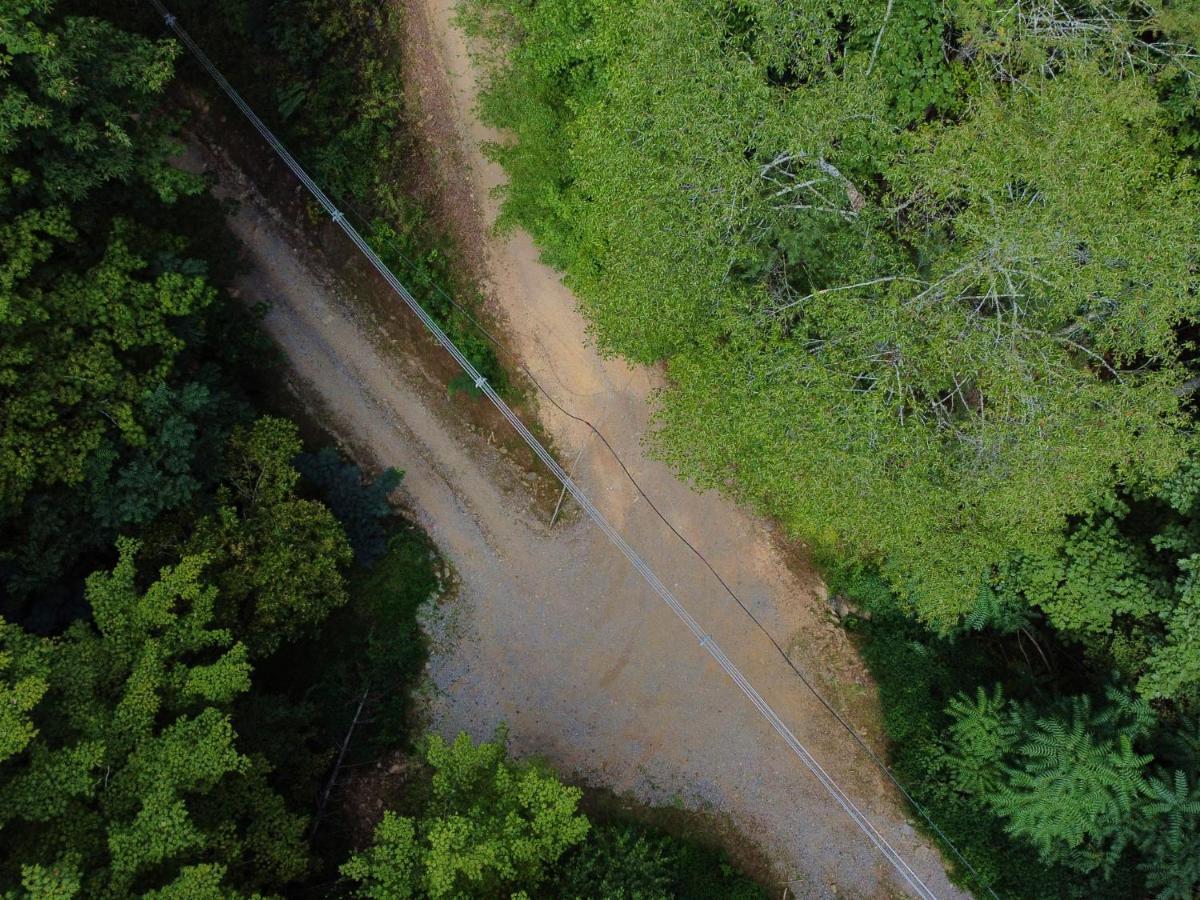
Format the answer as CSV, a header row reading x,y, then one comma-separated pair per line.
x,y
338,765
887,14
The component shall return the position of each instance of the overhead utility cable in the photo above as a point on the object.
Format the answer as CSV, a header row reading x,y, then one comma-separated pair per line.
x,y
481,383
509,359
779,648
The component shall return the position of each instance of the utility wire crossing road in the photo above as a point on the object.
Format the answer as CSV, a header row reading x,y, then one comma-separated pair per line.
x,y
705,640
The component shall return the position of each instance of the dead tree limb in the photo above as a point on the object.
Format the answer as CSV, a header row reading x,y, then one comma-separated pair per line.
x,y
887,14
338,765
1188,388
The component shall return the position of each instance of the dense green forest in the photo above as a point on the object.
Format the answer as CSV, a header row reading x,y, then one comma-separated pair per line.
x,y
924,277
195,604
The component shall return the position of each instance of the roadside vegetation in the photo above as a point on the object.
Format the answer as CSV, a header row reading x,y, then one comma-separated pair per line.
x,y
924,279
202,620
326,77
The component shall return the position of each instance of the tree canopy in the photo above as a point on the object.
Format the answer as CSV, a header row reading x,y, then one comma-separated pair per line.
x,y
279,559
896,312
489,825
81,108
124,775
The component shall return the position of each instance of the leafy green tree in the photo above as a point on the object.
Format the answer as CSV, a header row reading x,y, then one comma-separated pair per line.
x,y
277,559
1074,788
180,427
81,350
80,96
1070,781
360,504
894,314
1171,842
126,489
23,683
101,432
1095,576
1173,666
490,828
91,304
132,780
1121,582
982,737
973,427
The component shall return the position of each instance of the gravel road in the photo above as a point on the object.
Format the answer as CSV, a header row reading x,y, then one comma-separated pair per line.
x,y
552,631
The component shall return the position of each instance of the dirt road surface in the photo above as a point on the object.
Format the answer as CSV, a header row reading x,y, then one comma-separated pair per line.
x,y
553,633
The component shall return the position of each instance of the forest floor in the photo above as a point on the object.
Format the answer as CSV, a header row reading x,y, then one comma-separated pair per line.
x,y
551,632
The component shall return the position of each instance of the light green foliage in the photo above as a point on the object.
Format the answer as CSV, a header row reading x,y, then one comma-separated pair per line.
x,y
1084,237
490,828
1173,668
1096,575
134,772
1122,582
28,240
1022,43
22,685
58,882
959,408
391,867
142,631
278,559
202,882
928,342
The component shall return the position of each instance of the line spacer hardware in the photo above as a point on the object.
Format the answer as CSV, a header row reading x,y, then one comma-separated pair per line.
x,y
480,382
338,216
170,20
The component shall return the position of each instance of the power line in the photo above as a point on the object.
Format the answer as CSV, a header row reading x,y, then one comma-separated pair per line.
x,y
481,383
875,758
879,763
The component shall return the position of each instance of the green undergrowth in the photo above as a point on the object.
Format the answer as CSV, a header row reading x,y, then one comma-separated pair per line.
x,y
372,652
987,728
690,845
917,675
621,859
